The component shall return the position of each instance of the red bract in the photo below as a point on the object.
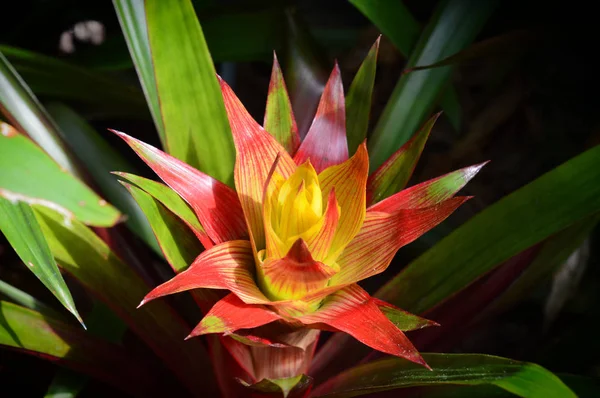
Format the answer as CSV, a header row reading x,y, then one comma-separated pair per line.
x,y
297,234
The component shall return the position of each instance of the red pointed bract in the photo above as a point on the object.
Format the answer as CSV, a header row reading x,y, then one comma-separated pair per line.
x,y
230,314
216,205
352,311
382,234
325,143
256,152
297,273
229,265
429,193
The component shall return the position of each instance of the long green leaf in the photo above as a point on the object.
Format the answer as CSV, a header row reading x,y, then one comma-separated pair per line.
x,y
38,333
100,159
453,27
88,259
54,78
23,109
132,17
28,174
520,378
178,243
542,208
19,226
396,22
358,100
196,126
165,195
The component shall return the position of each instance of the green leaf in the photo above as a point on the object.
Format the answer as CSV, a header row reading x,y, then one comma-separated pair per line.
x,y
542,208
358,100
26,300
132,17
28,174
196,126
88,259
165,195
38,333
279,118
396,22
19,226
179,245
405,321
100,159
54,78
23,109
520,378
453,27
394,174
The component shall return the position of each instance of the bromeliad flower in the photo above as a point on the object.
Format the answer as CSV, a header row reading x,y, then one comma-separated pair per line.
x,y
302,227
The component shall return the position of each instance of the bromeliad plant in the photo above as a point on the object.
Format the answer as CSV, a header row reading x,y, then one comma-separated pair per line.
x,y
274,261
301,229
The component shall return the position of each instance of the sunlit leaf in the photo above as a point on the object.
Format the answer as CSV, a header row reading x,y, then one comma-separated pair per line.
x,y
30,175
196,126
88,259
19,226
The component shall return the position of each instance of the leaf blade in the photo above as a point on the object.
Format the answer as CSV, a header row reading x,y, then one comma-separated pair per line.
x,y
520,378
19,226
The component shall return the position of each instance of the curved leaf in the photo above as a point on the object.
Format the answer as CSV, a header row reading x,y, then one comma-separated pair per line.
x,y
196,126
39,334
89,260
100,159
29,175
454,26
23,109
520,378
55,78
19,226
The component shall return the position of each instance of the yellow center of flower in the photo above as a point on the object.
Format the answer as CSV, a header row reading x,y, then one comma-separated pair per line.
x,y
294,215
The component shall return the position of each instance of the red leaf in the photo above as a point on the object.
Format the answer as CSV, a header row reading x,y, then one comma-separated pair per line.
x,y
325,143
382,234
229,265
256,153
230,314
428,193
354,312
296,274
216,205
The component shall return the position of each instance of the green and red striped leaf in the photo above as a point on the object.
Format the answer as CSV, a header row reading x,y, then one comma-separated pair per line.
x,y
172,201
394,173
230,314
520,378
428,193
30,175
382,234
358,100
352,311
256,154
279,117
325,143
229,265
216,205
